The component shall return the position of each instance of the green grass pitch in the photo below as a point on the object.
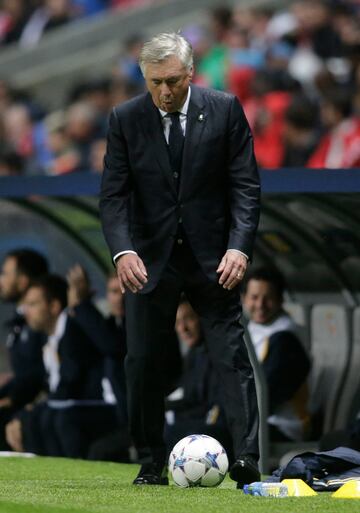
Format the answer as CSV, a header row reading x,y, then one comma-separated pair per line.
x,y
56,485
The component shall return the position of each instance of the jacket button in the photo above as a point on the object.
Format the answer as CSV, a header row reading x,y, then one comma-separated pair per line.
x,y
179,241
176,175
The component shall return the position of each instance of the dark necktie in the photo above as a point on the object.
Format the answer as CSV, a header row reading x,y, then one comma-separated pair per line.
x,y
176,145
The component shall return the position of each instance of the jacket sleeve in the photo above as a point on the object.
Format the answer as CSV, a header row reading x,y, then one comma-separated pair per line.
x,y
244,182
106,340
116,190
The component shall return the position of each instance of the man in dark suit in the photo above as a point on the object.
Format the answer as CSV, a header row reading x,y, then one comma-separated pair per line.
x,y
76,412
179,208
19,268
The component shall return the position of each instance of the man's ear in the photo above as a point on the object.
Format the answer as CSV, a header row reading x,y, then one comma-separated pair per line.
x,y
191,72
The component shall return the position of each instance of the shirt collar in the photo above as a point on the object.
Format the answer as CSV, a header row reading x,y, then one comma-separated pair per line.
x,y
183,109
59,328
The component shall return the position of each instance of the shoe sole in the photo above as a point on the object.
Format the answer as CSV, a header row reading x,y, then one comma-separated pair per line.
x,y
164,481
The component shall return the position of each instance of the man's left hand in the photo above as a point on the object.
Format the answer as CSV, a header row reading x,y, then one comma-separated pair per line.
x,y
232,269
79,285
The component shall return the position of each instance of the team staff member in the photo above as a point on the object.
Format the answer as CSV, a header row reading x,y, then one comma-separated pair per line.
x,y
179,208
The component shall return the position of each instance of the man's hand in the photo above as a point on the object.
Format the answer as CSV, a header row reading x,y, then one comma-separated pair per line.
x,y
13,433
131,272
232,269
79,285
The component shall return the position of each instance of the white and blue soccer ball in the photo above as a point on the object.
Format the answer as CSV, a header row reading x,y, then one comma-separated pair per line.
x,y
198,460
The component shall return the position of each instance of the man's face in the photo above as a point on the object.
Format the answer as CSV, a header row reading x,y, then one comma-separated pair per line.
x,y
37,310
261,301
168,83
187,325
10,286
115,297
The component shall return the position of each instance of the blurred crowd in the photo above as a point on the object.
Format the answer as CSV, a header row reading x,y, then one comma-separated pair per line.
x,y
296,72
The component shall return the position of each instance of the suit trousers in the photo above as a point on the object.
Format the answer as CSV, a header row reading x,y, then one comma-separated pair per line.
x,y
150,320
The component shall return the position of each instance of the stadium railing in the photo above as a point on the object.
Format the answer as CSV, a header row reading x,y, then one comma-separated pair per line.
x,y
273,181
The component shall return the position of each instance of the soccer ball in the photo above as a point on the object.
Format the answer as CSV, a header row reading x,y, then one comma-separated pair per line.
x,y
198,460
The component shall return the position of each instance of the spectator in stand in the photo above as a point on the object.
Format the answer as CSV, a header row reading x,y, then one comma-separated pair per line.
x,y
6,95
301,131
96,93
97,152
49,15
81,129
11,163
20,267
213,65
64,156
243,61
18,133
284,360
13,17
338,148
315,28
265,108
127,67
122,90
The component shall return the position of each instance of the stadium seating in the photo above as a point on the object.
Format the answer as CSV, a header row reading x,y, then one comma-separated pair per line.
x,y
349,400
330,352
301,315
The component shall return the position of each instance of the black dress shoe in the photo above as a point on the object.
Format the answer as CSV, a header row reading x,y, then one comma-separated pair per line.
x,y
152,474
245,470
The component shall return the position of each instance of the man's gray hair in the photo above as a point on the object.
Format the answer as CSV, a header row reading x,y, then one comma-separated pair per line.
x,y
163,46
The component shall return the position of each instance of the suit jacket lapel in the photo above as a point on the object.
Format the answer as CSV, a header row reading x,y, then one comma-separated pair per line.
x,y
155,133
196,120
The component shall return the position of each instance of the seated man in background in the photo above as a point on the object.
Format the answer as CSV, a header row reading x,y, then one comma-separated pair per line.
x,y
108,335
75,413
24,345
194,407
284,360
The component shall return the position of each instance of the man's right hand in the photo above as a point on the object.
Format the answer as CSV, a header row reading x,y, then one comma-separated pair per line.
x,y
131,272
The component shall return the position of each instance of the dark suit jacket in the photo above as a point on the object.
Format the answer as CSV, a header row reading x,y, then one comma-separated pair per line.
x,y
218,199
109,339
81,366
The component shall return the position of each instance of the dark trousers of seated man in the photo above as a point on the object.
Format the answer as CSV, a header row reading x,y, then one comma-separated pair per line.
x,y
67,432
